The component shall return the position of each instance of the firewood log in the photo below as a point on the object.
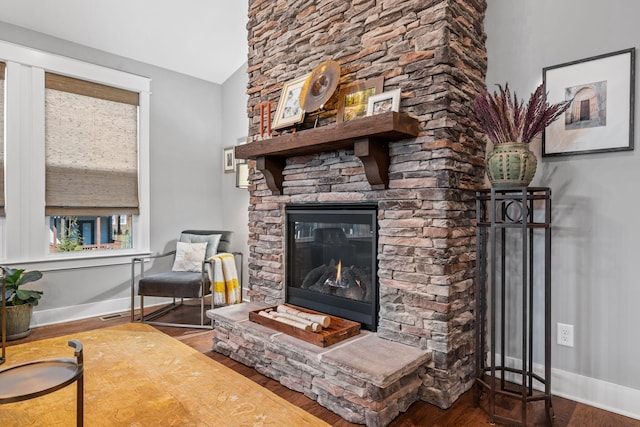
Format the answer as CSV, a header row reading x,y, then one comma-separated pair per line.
x,y
285,321
325,321
315,327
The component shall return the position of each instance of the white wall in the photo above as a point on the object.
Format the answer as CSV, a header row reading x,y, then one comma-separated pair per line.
x,y
235,201
594,198
188,187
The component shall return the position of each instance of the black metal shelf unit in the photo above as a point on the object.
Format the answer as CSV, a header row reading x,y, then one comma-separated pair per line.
x,y
513,240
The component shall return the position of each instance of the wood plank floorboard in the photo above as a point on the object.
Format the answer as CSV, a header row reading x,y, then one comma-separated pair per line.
x,y
462,414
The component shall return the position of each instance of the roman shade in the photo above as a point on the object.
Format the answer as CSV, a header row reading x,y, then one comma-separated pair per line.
x,y
2,67
91,148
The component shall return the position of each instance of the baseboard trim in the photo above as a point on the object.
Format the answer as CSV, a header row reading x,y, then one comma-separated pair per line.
x,y
85,311
589,391
597,393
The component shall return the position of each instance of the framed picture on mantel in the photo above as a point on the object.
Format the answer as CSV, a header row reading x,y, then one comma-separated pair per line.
x,y
353,98
600,118
289,111
384,102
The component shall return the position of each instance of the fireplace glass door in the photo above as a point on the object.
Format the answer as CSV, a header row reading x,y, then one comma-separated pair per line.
x,y
331,260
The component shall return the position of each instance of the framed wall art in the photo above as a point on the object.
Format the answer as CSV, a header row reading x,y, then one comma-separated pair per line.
x,y
384,102
229,159
353,98
242,174
242,168
602,94
289,111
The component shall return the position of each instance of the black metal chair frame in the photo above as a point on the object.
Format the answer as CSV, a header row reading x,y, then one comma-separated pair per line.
x,y
150,318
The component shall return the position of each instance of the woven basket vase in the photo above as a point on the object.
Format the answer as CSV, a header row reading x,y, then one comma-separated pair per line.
x,y
511,165
18,321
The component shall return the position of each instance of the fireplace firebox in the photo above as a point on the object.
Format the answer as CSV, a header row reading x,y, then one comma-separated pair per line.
x,y
331,262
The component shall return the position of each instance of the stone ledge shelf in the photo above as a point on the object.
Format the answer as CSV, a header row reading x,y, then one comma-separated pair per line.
x,y
364,379
368,136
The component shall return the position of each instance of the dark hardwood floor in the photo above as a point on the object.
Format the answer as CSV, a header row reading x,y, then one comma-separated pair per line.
x,y
462,413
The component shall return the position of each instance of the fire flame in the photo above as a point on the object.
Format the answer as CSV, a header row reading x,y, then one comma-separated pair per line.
x,y
338,274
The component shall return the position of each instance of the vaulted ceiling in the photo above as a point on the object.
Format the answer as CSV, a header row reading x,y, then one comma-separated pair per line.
x,y
206,39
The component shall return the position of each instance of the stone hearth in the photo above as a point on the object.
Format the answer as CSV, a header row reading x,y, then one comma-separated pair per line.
x,y
433,50
356,378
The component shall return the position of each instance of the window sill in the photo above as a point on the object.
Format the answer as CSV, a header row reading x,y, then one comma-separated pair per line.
x,y
71,261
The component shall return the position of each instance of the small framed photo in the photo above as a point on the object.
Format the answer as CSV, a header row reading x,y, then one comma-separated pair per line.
x,y
242,174
289,111
353,98
602,95
384,102
229,159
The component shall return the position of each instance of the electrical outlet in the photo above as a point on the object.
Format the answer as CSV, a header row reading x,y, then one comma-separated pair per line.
x,y
565,335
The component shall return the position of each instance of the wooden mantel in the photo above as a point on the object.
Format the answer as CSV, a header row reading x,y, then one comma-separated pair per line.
x,y
367,136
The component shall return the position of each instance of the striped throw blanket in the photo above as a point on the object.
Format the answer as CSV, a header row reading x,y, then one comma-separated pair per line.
x,y
224,279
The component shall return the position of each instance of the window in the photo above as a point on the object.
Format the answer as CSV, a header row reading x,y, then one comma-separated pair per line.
x,y
90,233
91,157
77,157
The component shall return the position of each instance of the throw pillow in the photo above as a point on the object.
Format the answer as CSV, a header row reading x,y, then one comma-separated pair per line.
x,y
212,239
189,256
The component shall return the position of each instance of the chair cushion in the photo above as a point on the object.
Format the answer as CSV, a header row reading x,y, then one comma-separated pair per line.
x,y
212,240
189,256
179,284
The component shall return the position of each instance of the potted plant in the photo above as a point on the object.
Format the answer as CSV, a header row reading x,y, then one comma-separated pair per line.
x,y
20,301
511,126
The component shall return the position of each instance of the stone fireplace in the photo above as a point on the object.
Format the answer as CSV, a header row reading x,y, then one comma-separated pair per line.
x,y
425,251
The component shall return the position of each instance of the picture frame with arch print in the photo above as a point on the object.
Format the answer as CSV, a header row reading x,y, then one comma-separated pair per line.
x,y
602,93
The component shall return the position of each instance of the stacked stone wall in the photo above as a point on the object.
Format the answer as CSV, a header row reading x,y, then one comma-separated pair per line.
x,y
434,52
